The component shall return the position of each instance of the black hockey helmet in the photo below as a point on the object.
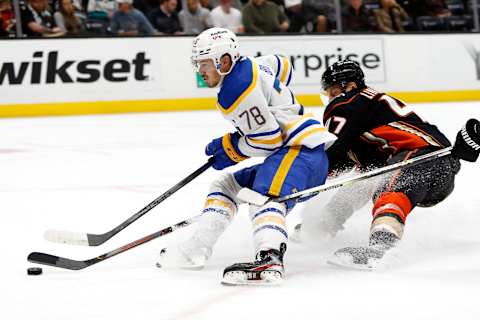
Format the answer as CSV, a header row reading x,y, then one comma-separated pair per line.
x,y
341,73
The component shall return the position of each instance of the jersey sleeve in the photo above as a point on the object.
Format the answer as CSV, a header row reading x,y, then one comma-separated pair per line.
x,y
281,66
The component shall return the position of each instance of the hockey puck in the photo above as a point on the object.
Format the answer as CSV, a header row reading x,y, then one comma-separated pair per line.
x,y
34,271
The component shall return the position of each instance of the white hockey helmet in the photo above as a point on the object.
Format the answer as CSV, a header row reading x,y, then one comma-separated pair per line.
x,y
213,44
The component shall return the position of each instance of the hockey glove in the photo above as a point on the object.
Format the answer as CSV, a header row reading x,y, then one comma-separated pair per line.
x,y
467,144
225,151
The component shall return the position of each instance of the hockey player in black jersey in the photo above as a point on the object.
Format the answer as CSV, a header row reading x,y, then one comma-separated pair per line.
x,y
373,130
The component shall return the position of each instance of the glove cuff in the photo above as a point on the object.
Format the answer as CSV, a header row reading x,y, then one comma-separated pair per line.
x,y
467,144
229,142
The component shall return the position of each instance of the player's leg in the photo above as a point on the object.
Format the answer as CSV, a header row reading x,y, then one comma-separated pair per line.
x,y
322,221
220,208
397,195
287,171
425,185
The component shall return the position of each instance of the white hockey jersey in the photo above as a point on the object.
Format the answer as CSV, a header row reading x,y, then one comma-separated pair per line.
x,y
254,96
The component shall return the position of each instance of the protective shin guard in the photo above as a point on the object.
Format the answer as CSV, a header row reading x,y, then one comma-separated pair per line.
x,y
269,226
216,217
220,208
390,212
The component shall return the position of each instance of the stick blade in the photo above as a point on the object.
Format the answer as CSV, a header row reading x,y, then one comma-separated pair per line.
x,y
55,261
67,237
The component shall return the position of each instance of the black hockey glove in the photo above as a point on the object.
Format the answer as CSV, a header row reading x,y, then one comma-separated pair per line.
x,y
467,144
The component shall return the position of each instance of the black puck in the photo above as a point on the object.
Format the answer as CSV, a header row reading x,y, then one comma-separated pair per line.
x,y
35,271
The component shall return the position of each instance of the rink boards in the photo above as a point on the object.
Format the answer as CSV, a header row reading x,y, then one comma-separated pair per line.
x,y
116,75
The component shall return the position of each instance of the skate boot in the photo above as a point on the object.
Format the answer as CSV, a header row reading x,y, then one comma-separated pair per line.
x,y
267,269
188,255
368,257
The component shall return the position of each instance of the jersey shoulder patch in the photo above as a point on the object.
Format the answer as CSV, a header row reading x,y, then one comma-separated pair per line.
x,y
237,85
281,66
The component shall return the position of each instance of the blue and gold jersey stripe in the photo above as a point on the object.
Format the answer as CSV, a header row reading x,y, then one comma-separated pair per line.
x,y
237,85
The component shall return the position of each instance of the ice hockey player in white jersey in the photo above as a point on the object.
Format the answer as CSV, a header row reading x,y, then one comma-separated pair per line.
x,y
270,123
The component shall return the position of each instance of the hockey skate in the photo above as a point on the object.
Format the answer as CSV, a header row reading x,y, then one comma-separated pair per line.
x,y
188,255
368,257
267,269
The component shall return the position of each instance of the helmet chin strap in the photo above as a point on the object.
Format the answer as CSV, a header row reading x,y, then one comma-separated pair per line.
x,y
220,82
223,74
226,73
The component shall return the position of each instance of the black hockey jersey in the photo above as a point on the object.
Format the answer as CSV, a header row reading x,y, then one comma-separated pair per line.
x,y
371,127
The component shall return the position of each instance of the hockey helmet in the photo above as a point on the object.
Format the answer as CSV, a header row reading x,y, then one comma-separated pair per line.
x,y
213,44
341,73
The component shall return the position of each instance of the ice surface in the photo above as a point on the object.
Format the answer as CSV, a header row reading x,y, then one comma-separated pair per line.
x,y
90,173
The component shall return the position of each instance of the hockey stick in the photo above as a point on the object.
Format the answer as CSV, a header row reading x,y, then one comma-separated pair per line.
x,y
65,263
258,199
90,239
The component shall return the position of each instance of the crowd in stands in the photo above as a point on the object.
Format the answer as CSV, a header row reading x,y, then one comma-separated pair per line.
x,y
54,18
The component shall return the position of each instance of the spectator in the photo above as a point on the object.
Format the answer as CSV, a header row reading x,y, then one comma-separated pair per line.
x,y
225,16
66,19
37,20
433,8
78,6
101,9
206,4
165,18
235,3
357,17
390,16
410,6
301,18
6,18
146,6
263,16
194,19
128,21
323,11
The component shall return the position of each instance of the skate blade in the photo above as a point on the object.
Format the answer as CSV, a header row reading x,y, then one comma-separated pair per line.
x,y
240,278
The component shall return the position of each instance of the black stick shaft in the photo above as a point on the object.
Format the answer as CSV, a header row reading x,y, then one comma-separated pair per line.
x,y
65,263
98,239
369,174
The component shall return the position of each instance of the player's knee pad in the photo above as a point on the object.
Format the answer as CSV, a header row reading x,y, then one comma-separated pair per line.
x,y
269,225
390,212
216,216
220,207
225,188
